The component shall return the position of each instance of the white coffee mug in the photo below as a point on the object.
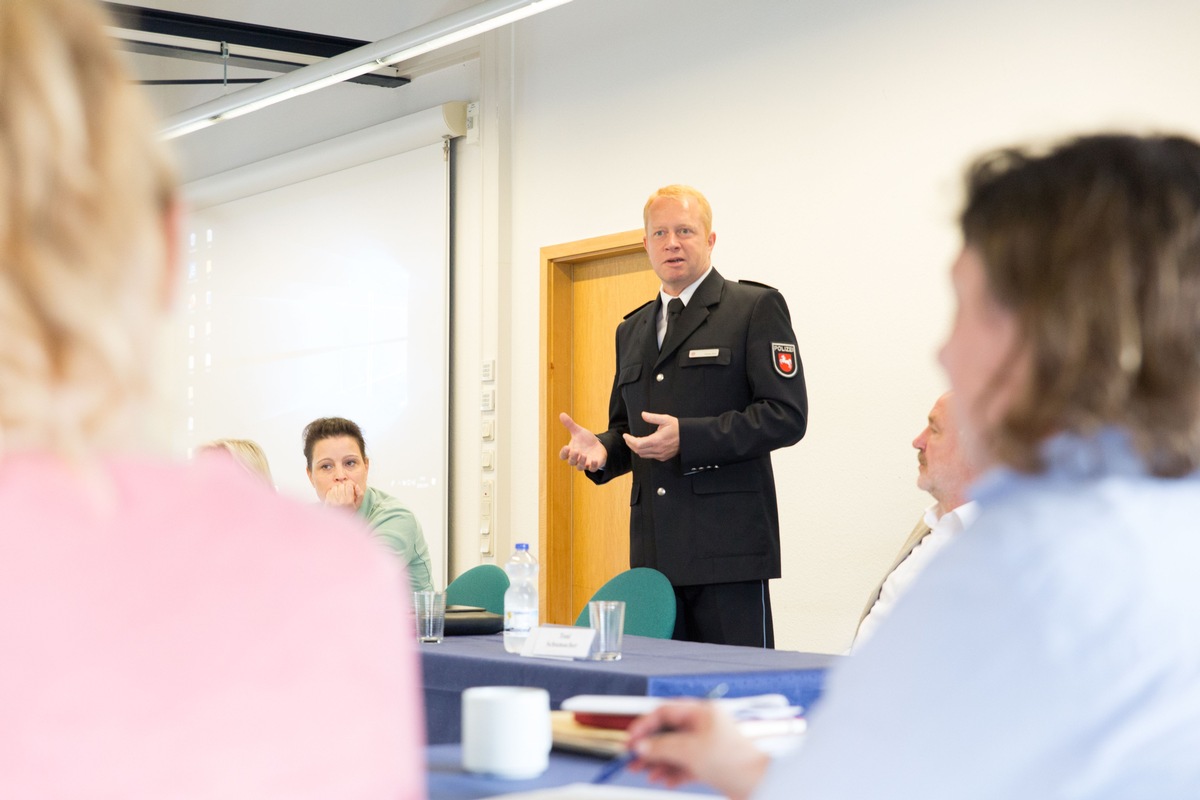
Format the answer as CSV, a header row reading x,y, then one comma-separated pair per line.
x,y
506,731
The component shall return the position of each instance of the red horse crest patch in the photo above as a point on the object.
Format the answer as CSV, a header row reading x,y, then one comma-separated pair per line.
x,y
784,358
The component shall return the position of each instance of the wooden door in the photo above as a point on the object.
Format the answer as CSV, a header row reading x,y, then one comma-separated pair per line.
x,y
588,287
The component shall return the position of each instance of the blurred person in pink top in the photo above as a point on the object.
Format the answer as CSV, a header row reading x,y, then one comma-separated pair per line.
x,y
168,631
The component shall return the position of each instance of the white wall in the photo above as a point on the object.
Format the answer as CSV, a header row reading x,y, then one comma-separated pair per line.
x,y
480,314
321,297
829,140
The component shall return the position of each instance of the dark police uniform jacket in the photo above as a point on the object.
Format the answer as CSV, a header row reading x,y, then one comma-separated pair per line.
x,y
731,373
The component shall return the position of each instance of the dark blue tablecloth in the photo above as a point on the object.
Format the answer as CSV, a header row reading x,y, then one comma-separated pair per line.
x,y
649,667
448,781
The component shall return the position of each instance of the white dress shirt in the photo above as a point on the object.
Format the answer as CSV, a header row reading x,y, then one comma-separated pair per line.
x,y
685,296
941,531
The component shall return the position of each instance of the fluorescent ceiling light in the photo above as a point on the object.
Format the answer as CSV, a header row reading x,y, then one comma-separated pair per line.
x,y
448,30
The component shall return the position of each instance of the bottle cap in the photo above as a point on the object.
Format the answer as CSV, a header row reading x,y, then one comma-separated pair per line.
x,y
522,546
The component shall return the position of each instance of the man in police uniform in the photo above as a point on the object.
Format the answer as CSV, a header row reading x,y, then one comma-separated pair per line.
x,y
705,389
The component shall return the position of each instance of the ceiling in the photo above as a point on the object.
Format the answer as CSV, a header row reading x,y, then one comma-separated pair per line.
x,y
355,20
204,75
230,45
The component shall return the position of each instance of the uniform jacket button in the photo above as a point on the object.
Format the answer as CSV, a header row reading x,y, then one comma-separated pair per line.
x,y
661,491
659,377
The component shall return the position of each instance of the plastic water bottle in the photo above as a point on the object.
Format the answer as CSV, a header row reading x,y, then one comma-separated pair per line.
x,y
521,599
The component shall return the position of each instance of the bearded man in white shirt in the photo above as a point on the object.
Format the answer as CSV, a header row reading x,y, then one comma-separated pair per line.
x,y
946,473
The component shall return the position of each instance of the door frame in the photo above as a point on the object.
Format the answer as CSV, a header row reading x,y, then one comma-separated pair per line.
x,y
554,392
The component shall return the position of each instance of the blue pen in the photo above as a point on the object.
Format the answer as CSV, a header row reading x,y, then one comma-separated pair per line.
x,y
609,770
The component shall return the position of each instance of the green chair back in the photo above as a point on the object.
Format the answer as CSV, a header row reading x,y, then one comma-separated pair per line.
x,y
649,602
482,586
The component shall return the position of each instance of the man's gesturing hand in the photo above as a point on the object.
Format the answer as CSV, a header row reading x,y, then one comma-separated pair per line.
x,y
663,444
584,451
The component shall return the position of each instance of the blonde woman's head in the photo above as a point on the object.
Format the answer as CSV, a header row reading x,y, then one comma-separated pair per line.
x,y
85,197
245,451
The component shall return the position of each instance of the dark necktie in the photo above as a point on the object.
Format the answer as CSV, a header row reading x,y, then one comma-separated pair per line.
x,y
674,309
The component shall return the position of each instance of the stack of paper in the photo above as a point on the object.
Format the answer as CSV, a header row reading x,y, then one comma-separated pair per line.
x,y
592,791
596,724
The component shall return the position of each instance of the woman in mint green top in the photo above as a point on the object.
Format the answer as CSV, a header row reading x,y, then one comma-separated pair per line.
x,y
337,468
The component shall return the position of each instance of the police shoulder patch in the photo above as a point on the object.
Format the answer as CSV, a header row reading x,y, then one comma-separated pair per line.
x,y
783,357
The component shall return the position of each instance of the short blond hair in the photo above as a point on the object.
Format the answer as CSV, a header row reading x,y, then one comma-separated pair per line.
x,y
84,187
680,192
245,451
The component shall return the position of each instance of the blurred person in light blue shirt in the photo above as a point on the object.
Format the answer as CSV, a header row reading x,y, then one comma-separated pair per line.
x,y
1052,650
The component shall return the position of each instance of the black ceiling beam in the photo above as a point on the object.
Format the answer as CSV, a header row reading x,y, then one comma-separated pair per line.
x,y
236,60
243,34
208,56
202,82
192,26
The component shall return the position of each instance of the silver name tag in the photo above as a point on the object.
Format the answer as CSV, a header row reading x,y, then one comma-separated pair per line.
x,y
709,353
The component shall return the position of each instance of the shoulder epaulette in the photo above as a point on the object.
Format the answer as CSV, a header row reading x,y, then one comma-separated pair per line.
x,y
759,285
639,308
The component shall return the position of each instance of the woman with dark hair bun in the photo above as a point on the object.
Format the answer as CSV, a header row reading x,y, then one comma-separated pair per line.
x,y
337,469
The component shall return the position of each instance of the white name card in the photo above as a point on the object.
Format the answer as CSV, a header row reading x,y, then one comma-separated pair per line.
x,y
712,352
559,641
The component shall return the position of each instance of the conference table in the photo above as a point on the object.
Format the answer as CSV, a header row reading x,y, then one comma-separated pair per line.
x,y
449,781
648,667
